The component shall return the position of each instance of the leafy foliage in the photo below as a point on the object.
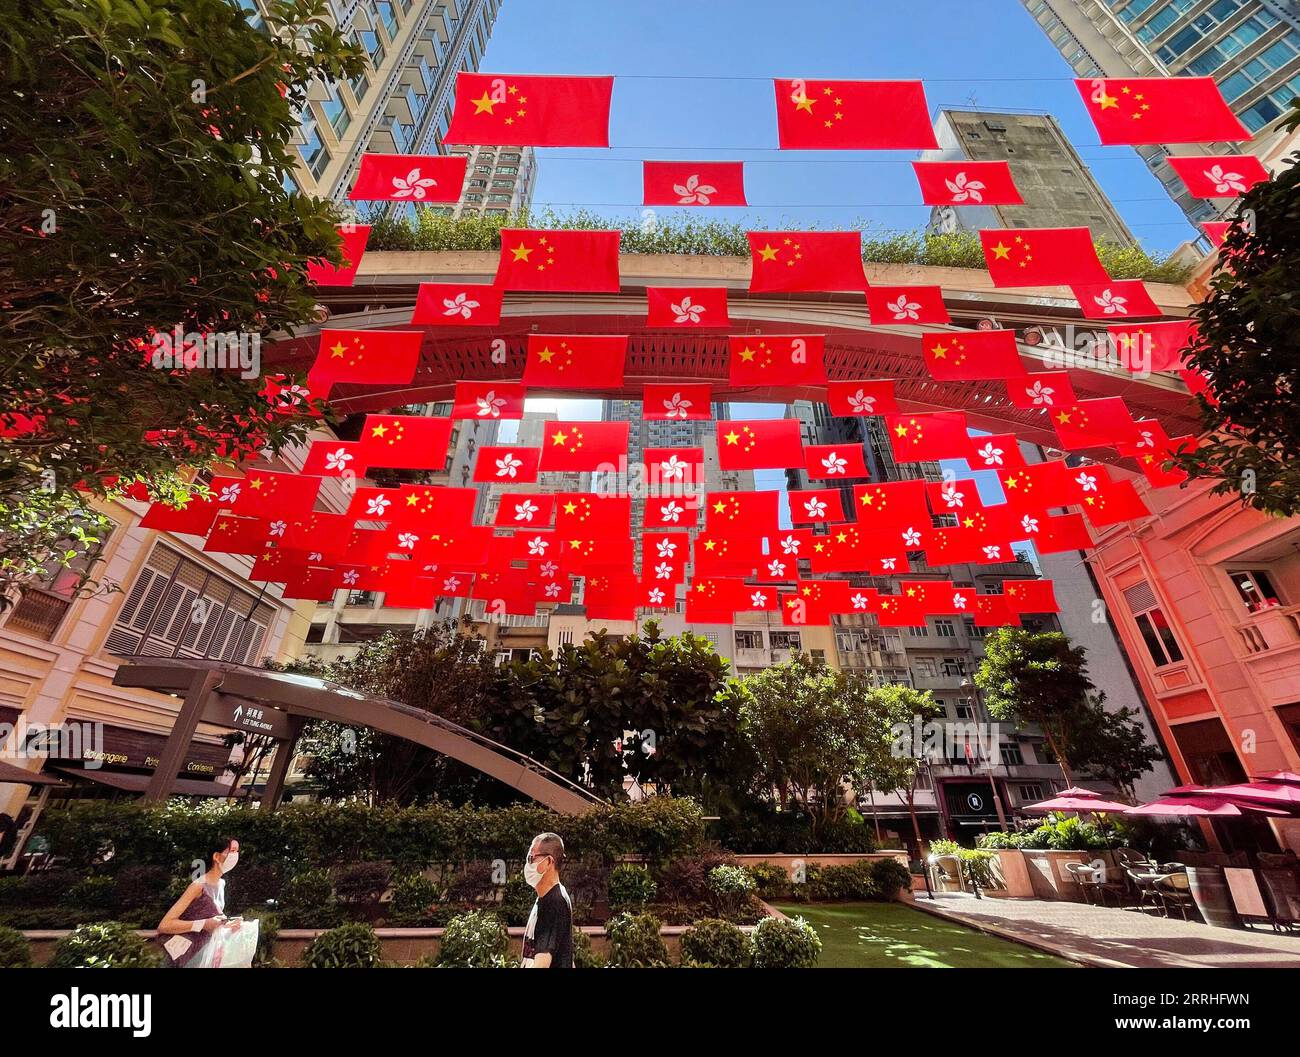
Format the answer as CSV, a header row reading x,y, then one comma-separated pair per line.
x,y
786,943
15,949
350,946
104,945
476,940
716,943
635,943
630,887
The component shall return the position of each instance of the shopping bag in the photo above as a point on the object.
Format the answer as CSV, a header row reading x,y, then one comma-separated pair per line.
x,y
229,948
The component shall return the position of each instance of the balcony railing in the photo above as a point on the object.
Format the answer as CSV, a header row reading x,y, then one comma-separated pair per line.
x,y
1270,629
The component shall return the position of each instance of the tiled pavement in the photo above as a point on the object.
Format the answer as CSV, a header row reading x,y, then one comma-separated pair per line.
x,y
1109,936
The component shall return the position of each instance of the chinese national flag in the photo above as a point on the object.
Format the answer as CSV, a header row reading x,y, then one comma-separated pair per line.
x,y
1159,110
1117,299
237,535
366,356
410,442
670,512
575,361
674,466
1045,389
845,549
530,111
312,584
578,446
994,611
772,444
914,305
1060,533
967,183
835,462
409,178
687,306
862,398
321,535
723,551
194,517
686,403
524,510
1042,257
608,552
1217,231
1030,596
276,495
1152,346
1104,500
753,511
1042,486
1094,423
816,600
354,237
852,115
558,260
334,458
887,506
434,506
488,401
778,359
815,506
694,183
594,516
506,465
457,305
971,355
792,261
419,592
937,435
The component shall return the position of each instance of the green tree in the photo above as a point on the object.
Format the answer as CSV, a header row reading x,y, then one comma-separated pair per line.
x,y
897,755
1110,744
143,188
1249,346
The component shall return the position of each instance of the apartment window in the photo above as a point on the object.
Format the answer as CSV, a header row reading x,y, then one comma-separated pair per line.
x,y
925,667
973,630
374,47
45,601
498,198
1011,754
965,709
818,656
1159,637
920,631
335,112
786,640
749,640
507,170
388,16
510,157
565,637
945,629
313,151
1031,792
1255,589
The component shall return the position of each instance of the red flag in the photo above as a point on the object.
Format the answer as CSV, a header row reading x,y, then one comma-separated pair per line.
x,y
285,396
835,462
594,516
694,183
756,445
887,506
412,442
1042,257
558,260
366,356
512,110
193,517
577,446
320,535
852,115
690,402
505,464
409,178
314,584
525,510
1159,110
434,506
1152,346
355,237
1042,486
335,458
1216,231
1058,534
575,361
722,550
670,512
488,400
237,535
967,183
861,398
964,356
1094,423
791,261
687,306
937,435
276,495
1117,299
373,503
664,556
816,506
994,611
919,305
753,511
778,359
1046,389
457,305
674,466
1030,596
993,451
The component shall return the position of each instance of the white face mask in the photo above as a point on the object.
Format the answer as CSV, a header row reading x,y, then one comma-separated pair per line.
x,y
532,875
228,863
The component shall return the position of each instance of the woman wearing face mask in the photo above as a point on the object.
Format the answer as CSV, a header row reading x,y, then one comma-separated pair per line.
x,y
199,913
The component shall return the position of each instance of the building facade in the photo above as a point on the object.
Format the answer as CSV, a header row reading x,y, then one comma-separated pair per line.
x,y
498,182
1250,47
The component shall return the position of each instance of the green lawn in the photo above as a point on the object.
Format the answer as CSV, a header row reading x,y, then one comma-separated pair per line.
x,y
895,936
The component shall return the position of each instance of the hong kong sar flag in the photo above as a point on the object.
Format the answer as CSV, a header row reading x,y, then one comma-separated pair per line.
x,y
688,403
792,261
1042,257
852,115
514,110
687,306
862,398
409,178
1117,299
1145,110
966,183
765,444
457,305
354,237
907,304
488,400
694,183
557,260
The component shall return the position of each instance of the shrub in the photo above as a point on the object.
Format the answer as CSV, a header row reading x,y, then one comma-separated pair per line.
x,y
890,875
308,901
716,943
584,957
137,887
362,882
630,887
93,893
253,886
978,867
15,950
104,945
852,883
635,943
786,943
476,940
685,880
350,946
268,927
732,888
413,897
517,901
42,889
770,880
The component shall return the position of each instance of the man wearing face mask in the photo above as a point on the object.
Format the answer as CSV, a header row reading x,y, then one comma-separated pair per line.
x,y
198,913
548,937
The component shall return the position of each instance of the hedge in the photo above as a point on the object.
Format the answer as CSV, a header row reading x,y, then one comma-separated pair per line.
x,y
301,836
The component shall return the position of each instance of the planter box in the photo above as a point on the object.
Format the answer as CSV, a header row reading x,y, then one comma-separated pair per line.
x,y
1047,875
1015,874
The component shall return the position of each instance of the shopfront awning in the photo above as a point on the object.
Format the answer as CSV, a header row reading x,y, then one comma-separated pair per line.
x,y
11,775
137,783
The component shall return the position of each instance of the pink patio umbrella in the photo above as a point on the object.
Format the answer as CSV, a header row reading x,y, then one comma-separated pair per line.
x,y
1200,806
1283,777
1078,801
1286,798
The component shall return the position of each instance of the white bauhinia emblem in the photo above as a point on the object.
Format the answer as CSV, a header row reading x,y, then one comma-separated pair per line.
x,y
1146,440
1087,482
859,601
338,459
663,571
814,507
958,600
376,505
414,186
888,564
552,590
524,511
656,596
776,567
1040,394
790,545
861,404
292,396
993,551
229,493
450,584
687,312
991,454
549,569
676,406
1029,524
537,546
666,548
508,465
673,468
672,512
911,537
490,405
461,305
315,556
1111,303
1225,182
693,193
904,310
277,528
351,576
952,496
834,464
965,189
407,540
758,599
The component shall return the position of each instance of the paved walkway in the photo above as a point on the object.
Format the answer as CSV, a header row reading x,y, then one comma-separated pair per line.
x,y
1114,937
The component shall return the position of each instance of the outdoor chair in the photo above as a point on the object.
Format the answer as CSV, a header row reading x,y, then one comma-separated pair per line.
x,y
1095,883
1284,894
1143,881
1131,859
1174,890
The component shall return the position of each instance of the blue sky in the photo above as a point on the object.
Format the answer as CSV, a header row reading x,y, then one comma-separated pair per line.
x,y
694,83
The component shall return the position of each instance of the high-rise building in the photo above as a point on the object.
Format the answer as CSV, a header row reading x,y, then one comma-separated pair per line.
x,y
1250,47
498,182
1057,188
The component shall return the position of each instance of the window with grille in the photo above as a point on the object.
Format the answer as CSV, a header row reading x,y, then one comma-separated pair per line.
x,y
749,640
1153,625
177,607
